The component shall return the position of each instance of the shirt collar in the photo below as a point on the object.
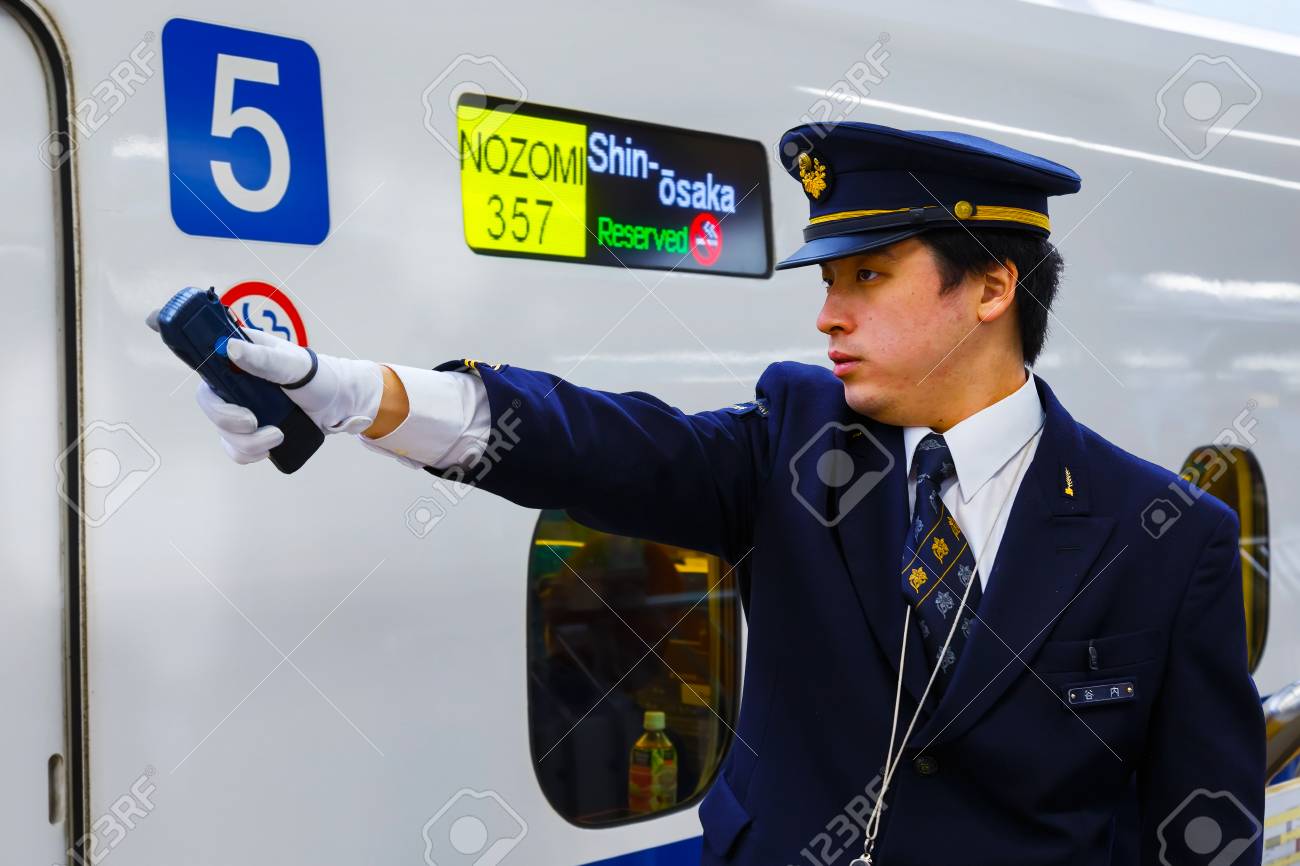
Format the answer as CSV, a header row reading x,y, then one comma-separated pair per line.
x,y
983,443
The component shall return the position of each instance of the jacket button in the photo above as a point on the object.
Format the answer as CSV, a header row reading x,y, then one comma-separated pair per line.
x,y
926,765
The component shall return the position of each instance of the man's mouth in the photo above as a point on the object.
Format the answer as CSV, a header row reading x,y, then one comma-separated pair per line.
x,y
843,361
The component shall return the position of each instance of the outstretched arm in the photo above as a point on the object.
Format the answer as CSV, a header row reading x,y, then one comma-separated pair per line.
x,y
625,463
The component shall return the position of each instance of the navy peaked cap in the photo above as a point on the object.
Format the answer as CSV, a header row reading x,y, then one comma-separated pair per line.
x,y
870,185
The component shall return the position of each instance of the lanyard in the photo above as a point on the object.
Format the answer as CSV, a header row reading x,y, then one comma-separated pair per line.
x,y
891,759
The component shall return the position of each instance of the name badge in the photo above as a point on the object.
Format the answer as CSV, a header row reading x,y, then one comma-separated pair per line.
x,y
1087,694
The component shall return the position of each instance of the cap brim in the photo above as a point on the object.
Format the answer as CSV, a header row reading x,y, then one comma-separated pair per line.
x,y
838,246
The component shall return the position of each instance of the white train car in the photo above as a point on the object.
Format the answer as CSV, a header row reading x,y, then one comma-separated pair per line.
x,y
208,663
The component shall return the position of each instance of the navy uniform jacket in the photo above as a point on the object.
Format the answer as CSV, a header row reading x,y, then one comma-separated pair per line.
x,y
1002,771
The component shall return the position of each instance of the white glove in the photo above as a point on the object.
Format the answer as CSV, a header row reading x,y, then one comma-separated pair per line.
x,y
342,397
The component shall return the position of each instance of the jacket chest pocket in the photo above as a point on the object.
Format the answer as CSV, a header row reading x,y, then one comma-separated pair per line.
x,y
1106,682
1091,658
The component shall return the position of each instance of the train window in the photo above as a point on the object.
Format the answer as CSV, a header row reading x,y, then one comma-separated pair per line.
x,y
1232,473
596,693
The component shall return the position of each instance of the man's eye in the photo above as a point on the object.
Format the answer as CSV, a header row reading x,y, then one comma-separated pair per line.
x,y
865,275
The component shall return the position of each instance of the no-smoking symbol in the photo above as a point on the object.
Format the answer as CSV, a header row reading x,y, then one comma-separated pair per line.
x,y
263,307
706,238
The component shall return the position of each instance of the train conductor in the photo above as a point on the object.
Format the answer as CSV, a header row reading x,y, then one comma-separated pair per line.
x,y
954,608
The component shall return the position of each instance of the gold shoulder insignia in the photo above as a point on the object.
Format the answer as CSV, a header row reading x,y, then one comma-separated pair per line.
x,y
473,363
814,174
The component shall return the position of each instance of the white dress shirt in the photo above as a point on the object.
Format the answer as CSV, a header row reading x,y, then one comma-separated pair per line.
x,y
449,424
991,449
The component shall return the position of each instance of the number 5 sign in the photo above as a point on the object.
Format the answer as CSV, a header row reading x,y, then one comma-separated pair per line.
x,y
245,134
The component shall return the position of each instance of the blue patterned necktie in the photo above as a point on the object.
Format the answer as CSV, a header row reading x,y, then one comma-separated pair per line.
x,y
938,563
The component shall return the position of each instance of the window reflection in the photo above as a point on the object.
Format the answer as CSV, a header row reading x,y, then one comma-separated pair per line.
x,y
596,604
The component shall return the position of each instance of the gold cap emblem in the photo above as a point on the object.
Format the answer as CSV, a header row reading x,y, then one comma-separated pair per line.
x,y
964,210
814,175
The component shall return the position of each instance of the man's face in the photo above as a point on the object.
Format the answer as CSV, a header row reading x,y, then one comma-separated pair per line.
x,y
892,333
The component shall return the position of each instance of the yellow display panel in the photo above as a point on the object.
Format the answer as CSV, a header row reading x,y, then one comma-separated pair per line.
x,y
523,182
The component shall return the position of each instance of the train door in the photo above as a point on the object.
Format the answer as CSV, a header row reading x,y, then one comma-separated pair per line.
x,y
35,806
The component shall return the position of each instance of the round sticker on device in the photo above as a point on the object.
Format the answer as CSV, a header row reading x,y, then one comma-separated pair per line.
x,y
706,238
263,307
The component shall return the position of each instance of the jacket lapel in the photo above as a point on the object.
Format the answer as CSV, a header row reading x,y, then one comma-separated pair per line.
x,y
1050,543
868,525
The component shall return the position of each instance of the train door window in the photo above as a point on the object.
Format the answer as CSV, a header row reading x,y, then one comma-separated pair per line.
x,y
1233,475
597,603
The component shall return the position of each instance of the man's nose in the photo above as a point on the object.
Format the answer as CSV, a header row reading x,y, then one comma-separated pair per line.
x,y
832,316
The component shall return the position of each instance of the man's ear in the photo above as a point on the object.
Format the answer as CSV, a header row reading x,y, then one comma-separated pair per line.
x,y
999,291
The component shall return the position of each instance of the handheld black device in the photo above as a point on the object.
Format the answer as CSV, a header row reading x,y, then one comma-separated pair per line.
x,y
196,326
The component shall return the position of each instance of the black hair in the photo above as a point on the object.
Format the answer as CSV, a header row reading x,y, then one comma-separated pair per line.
x,y
960,252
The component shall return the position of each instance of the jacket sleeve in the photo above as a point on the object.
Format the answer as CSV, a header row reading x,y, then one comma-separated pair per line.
x,y
625,463
1201,780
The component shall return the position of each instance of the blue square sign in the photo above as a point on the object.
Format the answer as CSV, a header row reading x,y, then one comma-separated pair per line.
x,y
245,134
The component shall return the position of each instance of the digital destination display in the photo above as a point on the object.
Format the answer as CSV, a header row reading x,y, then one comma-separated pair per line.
x,y
551,183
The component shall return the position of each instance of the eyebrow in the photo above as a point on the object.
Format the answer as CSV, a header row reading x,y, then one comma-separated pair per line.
x,y
883,252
